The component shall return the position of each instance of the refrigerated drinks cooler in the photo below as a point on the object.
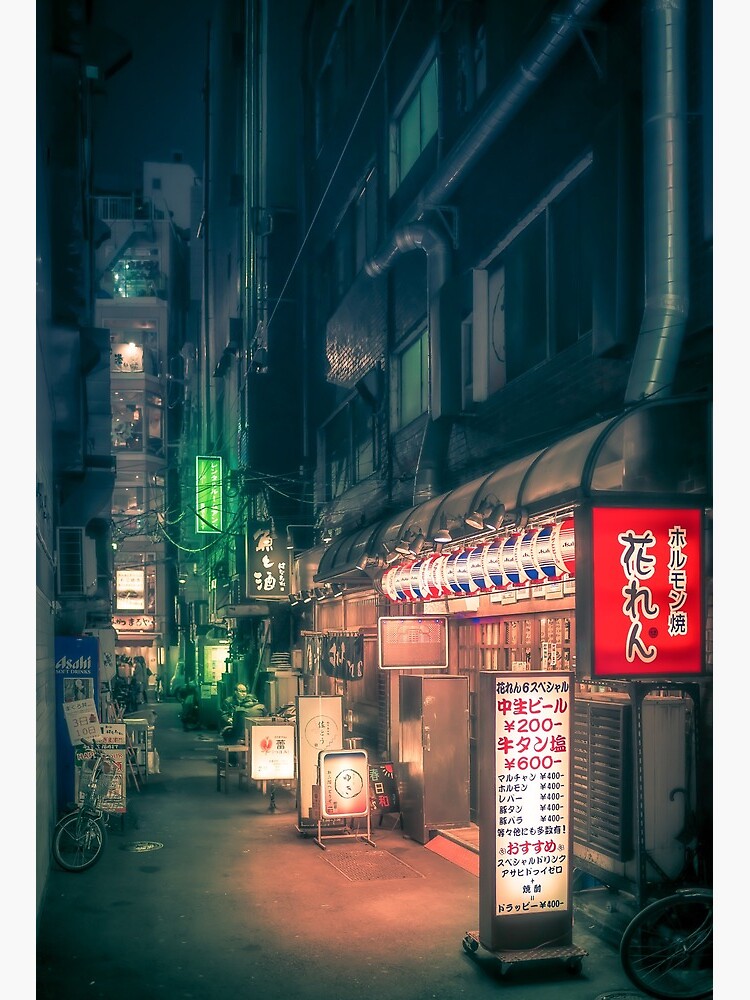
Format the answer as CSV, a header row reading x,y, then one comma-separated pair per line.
x,y
434,753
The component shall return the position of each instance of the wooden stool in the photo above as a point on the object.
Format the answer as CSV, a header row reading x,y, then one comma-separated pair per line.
x,y
223,752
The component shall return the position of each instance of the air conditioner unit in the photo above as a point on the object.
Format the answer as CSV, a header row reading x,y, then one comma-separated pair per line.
x,y
76,563
605,807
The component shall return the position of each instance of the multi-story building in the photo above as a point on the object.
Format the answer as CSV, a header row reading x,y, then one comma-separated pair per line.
x,y
142,300
75,468
497,323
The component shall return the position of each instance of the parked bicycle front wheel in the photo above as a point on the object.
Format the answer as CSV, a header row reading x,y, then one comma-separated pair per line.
x,y
667,948
77,842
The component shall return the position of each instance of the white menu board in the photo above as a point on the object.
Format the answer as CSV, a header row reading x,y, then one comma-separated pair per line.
x,y
533,758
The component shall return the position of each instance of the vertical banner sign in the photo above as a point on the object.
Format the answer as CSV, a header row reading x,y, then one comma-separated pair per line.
x,y
525,836
208,494
267,573
319,727
647,586
344,783
343,655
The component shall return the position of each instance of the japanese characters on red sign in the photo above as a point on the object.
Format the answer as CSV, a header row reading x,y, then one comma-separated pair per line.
x,y
533,763
647,592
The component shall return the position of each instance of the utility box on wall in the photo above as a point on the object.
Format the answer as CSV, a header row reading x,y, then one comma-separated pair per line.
x,y
434,753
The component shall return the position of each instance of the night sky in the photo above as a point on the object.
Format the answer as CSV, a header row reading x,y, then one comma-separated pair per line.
x,y
152,107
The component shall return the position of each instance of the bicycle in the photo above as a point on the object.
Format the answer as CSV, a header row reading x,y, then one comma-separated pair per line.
x,y
667,948
79,837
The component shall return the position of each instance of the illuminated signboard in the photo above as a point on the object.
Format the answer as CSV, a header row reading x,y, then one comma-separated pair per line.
x,y
133,623
320,726
271,752
267,560
526,808
532,805
413,643
344,783
647,583
131,589
208,494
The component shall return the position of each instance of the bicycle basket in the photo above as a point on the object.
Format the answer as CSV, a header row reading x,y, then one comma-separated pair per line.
x,y
104,778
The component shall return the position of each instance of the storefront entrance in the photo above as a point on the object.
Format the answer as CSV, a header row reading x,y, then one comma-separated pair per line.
x,y
515,643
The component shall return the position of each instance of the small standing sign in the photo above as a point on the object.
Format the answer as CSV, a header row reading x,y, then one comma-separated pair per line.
x,y
343,777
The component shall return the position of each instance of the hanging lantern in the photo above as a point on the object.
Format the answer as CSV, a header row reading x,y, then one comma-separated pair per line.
x,y
527,555
543,554
564,546
492,564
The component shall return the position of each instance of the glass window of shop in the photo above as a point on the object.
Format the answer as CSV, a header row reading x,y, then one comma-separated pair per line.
x,y
134,411
133,351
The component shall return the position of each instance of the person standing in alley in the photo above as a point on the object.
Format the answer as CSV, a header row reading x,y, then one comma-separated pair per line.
x,y
140,680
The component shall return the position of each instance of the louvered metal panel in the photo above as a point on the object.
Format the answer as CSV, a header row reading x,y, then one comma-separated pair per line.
x,y
603,778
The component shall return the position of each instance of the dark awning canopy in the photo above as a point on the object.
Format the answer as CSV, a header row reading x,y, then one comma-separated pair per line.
x,y
656,448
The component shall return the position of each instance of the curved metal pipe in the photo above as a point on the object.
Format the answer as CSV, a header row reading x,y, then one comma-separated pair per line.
x,y
543,55
415,236
665,200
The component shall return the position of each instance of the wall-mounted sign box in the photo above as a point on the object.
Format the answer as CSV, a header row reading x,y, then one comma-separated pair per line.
x,y
647,567
413,643
208,494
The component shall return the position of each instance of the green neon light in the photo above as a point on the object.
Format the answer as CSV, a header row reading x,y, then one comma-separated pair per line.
x,y
208,495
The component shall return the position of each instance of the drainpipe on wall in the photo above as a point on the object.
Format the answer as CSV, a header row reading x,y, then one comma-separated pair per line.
x,y
420,236
667,298
537,63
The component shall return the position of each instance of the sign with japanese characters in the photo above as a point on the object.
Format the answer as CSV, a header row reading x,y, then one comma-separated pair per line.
x,y
82,720
383,788
526,807
344,783
271,752
130,590
647,572
208,494
320,726
267,560
343,655
114,798
133,623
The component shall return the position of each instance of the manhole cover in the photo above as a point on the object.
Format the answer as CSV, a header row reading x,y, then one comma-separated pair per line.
x,y
140,846
369,865
620,995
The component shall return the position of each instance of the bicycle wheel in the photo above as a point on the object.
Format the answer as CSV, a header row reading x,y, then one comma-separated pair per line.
x,y
77,842
667,948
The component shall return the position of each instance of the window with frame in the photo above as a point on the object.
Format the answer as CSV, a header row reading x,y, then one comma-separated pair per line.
x,y
335,76
414,126
133,351
134,411
471,79
349,447
539,289
413,374
356,236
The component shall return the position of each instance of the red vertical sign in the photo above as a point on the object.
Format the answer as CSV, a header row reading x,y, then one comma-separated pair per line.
x,y
647,582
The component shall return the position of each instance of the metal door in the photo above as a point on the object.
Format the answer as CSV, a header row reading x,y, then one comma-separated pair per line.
x,y
434,753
